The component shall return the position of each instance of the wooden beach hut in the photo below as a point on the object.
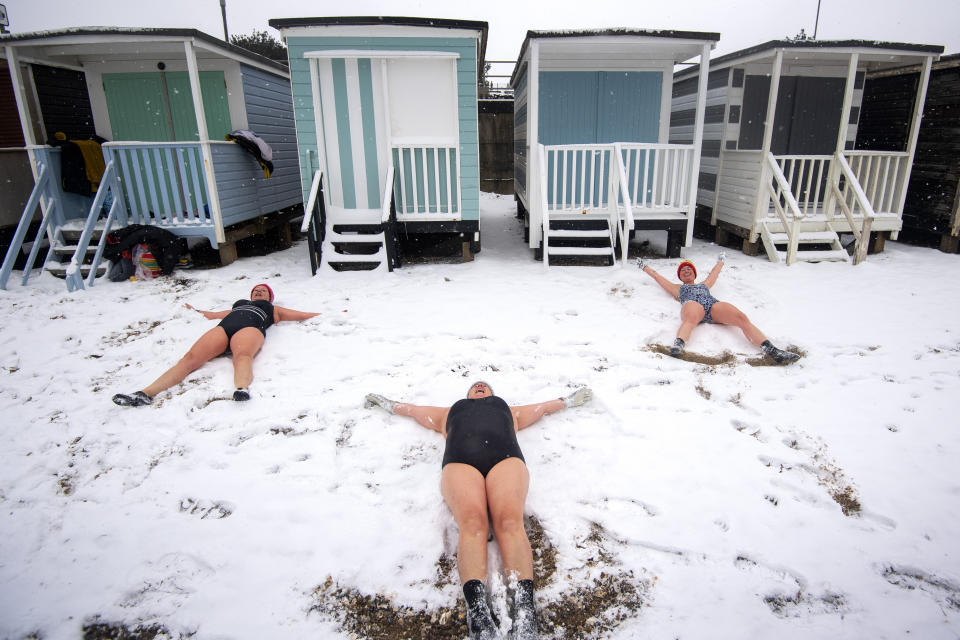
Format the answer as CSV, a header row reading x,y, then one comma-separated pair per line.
x,y
595,155
164,99
796,181
386,114
931,211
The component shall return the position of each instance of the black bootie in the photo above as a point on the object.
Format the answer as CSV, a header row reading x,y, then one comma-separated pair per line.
x,y
677,348
479,619
779,355
524,612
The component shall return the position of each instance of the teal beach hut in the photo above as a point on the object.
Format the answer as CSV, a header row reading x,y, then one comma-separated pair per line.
x,y
386,117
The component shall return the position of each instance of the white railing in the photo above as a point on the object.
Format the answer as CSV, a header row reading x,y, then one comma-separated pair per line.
x,y
427,179
780,191
655,176
625,225
882,177
854,201
164,182
658,175
807,177
544,209
387,194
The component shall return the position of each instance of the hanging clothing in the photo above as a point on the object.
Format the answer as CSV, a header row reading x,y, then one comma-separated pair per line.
x,y
256,146
81,163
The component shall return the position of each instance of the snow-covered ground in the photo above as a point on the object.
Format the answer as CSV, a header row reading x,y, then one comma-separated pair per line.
x,y
818,500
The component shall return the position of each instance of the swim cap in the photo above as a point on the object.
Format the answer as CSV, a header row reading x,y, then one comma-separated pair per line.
x,y
689,264
263,284
480,382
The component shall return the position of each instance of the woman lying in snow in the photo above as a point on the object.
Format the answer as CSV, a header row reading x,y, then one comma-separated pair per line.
x,y
699,306
484,473
242,328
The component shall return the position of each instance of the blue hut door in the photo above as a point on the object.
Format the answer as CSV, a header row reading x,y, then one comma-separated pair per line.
x,y
379,111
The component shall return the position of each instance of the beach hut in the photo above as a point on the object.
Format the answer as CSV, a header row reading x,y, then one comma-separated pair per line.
x,y
165,100
595,155
931,211
386,113
795,181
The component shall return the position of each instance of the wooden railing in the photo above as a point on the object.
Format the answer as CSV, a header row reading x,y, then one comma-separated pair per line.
x,y
781,192
656,177
164,182
109,191
44,195
882,177
315,221
426,180
807,177
852,201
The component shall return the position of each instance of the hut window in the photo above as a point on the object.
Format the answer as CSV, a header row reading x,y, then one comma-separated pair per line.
x,y
423,98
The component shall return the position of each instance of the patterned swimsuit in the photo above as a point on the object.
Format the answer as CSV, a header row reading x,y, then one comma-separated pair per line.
x,y
700,294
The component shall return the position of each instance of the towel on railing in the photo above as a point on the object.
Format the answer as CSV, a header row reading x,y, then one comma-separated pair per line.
x,y
256,146
81,163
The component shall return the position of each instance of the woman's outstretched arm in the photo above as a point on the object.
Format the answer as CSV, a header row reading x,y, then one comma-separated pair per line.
x,y
711,279
526,415
284,314
434,418
670,287
209,315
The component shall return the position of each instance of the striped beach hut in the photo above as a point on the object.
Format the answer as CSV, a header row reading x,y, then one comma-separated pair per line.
x,y
797,180
386,115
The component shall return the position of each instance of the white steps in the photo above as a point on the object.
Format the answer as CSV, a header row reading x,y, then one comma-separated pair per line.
x,y
810,245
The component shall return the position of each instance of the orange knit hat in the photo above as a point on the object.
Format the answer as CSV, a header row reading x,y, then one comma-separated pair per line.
x,y
687,263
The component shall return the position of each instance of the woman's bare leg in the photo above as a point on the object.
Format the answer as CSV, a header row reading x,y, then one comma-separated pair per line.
x,y
507,485
726,313
210,345
244,345
464,491
691,313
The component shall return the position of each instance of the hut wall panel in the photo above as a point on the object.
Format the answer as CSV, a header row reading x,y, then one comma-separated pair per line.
x,y
737,188
932,194
466,98
270,115
64,101
520,140
684,101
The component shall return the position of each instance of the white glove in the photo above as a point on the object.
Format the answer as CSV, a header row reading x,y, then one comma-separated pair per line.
x,y
377,400
581,396
641,263
722,256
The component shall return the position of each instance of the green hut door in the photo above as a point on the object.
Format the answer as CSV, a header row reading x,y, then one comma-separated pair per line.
x,y
158,107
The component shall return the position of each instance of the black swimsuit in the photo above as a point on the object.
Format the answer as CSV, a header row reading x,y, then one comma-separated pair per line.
x,y
480,433
248,313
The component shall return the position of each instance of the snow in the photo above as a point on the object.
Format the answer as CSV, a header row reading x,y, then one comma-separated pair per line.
x,y
712,484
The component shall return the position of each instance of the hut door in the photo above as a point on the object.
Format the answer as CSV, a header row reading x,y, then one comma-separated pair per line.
x,y
807,120
353,134
374,111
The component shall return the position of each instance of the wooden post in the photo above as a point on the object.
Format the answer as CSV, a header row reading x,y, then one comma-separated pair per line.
x,y
833,175
697,140
198,111
533,153
763,199
914,131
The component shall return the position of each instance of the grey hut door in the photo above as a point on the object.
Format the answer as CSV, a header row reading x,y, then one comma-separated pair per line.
x,y
807,120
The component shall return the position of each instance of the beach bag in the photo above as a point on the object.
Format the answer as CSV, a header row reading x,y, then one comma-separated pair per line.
x,y
145,264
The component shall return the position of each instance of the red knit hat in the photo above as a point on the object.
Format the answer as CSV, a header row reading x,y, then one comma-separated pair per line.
x,y
687,263
263,284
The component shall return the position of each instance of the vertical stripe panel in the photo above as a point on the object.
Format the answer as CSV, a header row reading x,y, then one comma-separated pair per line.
x,y
331,139
370,146
345,150
384,152
356,133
